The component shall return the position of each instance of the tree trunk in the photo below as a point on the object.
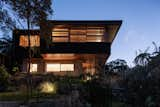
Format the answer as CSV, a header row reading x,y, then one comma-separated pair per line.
x,y
29,54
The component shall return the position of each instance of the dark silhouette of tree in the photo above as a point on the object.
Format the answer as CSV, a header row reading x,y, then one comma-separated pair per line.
x,y
33,12
156,49
117,66
6,45
142,58
7,49
6,21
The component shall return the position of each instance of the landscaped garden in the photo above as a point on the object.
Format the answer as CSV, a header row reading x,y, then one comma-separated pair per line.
x,y
117,86
75,91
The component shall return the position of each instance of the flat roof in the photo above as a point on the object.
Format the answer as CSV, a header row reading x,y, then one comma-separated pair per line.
x,y
106,22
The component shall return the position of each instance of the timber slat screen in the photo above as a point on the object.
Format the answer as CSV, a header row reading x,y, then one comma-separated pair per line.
x,y
78,34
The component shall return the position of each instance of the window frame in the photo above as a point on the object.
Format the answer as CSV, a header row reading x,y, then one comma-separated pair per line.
x,y
33,71
60,67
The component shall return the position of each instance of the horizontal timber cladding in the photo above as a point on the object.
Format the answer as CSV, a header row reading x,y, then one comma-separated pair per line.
x,y
89,48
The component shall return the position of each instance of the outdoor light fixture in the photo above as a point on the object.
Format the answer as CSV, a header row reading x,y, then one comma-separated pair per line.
x,y
48,87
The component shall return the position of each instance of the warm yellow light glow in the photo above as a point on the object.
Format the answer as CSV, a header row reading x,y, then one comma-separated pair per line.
x,y
48,87
33,68
23,41
78,38
59,67
60,33
94,39
60,39
88,78
78,34
67,67
53,67
34,40
95,32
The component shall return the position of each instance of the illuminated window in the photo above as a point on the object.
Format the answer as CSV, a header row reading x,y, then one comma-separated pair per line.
x,y
95,34
78,38
34,40
60,35
95,31
23,41
59,67
53,67
94,38
33,68
67,67
78,34
60,39
60,29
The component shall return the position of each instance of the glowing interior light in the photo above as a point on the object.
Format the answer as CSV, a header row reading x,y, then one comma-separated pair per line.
x,y
33,68
59,67
34,40
53,67
67,67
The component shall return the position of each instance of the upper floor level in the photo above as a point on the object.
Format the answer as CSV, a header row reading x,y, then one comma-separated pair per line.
x,y
80,31
72,36
71,31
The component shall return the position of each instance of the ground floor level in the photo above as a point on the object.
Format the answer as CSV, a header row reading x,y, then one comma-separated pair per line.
x,y
66,64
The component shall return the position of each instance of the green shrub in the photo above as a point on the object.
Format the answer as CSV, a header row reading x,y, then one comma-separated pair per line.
x,y
4,75
97,94
15,70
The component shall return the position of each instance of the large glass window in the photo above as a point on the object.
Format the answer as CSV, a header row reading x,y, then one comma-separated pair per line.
x,y
78,34
54,67
94,38
33,68
78,38
78,31
60,35
94,31
34,40
67,67
60,39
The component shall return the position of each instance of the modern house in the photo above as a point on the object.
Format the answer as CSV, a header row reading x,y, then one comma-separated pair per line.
x,y
68,47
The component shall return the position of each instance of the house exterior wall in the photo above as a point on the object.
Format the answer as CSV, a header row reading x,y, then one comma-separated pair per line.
x,y
81,65
89,56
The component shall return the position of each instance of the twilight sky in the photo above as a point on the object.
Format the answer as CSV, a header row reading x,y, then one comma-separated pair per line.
x,y
141,21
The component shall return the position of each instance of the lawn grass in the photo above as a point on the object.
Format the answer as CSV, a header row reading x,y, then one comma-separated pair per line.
x,y
22,96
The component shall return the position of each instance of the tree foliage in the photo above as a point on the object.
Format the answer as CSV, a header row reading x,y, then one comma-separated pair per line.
x,y
116,66
4,75
142,58
34,10
142,81
6,45
6,21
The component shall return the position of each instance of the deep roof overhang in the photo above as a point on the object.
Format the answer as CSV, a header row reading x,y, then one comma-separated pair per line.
x,y
103,22
113,26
